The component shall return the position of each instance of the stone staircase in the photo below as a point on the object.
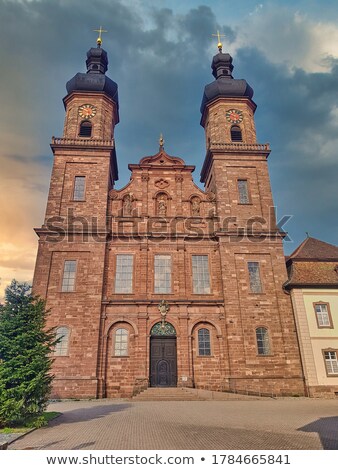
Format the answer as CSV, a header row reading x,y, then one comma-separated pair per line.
x,y
168,394
190,394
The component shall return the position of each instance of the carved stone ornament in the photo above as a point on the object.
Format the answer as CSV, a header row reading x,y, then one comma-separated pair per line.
x,y
113,194
162,205
162,183
145,177
179,179
195,205
128,204
211,196
163,308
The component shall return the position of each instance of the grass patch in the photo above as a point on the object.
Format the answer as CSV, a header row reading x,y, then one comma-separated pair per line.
x,y
42,420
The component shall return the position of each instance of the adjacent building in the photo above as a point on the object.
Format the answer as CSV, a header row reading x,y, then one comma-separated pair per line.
x,y
313,285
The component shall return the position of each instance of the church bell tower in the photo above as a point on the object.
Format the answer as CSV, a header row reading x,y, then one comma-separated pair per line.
x,y
69,270
235,172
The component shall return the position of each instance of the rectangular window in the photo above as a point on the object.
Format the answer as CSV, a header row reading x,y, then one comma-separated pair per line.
x,y
255,277
331,362
200,274
162,281
323,315
79,188
124,274
243,191
68,281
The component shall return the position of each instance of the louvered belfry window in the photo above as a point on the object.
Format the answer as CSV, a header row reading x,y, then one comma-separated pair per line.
x,y
236,134
85,129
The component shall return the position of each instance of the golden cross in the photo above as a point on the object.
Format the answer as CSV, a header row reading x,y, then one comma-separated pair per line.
x,y
219,36
161,142
99,39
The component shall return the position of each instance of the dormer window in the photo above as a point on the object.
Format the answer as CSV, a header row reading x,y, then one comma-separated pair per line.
x,y
236,134
85,129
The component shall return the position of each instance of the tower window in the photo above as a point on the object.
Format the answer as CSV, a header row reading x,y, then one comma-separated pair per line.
x,y
79,188
255,277
243,191
85,129
236,134
68,280
262,338
61,348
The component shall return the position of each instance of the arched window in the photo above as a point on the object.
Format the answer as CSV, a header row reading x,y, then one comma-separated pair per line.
x,y
263,344
236,134
61,348
204,342
121,342
85,129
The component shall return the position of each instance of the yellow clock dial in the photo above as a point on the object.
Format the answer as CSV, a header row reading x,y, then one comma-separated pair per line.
x,y
87,111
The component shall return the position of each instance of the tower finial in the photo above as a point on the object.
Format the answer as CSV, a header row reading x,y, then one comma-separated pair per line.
x,y
161,142
99,39
219,36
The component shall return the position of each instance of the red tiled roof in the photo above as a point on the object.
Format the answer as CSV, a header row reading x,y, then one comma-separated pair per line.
x,y
314,263
314,249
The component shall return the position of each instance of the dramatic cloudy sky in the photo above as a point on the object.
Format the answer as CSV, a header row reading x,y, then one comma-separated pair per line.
x,y
160,53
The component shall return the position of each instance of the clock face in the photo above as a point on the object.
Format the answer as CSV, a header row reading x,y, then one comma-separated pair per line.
x,y
234,115
87,111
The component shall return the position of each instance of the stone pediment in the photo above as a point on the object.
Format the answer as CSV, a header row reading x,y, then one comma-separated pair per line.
x,y
162,159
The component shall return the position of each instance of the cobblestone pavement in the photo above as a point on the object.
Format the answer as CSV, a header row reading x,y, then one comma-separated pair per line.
x,y
110,424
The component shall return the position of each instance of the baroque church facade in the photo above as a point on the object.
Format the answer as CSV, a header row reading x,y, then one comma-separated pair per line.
x,y
160,283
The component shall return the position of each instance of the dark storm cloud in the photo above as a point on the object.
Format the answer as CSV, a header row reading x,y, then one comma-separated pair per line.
x,y
297,115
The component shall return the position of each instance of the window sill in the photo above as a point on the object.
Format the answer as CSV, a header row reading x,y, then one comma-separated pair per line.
x,y
77,200
120,357
196,293
265,355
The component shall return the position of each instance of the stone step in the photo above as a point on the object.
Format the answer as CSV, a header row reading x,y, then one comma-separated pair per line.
x,y
167,394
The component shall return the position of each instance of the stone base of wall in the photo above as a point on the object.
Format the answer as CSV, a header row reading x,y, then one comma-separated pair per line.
x,y
323,391
279,386
141,383
74,388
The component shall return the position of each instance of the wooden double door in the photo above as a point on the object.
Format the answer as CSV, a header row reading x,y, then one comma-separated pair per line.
x,y
163,361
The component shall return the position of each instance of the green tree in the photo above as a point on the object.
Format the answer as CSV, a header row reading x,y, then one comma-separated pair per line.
x,y
25,357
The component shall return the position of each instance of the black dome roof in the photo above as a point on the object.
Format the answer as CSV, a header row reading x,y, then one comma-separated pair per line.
x,y
95,78
224,85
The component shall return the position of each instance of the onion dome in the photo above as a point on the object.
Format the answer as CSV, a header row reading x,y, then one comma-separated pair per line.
x,y
224,85
95,78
